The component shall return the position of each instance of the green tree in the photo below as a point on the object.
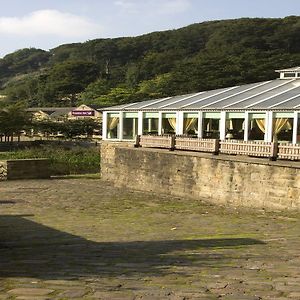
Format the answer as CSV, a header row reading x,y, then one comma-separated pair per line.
x,y
65,81
13,119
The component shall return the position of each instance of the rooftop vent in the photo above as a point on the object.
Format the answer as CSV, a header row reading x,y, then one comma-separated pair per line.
x,y
291,73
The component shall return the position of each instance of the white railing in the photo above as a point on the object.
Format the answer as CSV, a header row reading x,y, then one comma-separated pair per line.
x,y
289,151
196,144
251,148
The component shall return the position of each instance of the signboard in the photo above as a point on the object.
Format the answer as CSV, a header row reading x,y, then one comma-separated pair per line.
x,y
83,113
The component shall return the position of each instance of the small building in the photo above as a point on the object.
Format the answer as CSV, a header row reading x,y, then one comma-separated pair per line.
x,y
49,113
85,111
264,111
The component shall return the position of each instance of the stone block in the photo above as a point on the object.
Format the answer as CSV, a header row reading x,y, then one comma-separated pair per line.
x,y
28,169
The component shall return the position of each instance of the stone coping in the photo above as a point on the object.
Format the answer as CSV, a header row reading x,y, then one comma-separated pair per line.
x,y
222,157
26,159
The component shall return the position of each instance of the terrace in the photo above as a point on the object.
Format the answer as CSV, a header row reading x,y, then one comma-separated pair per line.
x,y
245,119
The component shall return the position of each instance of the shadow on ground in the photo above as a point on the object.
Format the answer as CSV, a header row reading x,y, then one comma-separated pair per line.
x,y
33,250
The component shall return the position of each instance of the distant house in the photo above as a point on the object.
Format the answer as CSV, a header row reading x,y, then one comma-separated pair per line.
x,y
265,111
65,113
49,113
85,111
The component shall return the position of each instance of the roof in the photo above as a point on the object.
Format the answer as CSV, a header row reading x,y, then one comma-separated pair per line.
x,y
275,94
295,69
50,110
61,112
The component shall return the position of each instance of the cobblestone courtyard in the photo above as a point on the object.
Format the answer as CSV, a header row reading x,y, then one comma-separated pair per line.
x,y
84,239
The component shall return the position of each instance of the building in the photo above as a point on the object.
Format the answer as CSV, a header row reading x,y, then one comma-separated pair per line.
x,y
85,111
49,113
267,111
65,113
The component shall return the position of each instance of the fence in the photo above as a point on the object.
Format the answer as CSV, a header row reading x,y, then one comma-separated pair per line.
x,y
251,148
156,141
196,144
289,151
272,150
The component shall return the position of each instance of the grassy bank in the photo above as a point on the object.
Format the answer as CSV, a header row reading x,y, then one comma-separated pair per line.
x,y
63,161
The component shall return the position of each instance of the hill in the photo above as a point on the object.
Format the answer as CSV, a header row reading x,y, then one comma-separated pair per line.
x,y
198,57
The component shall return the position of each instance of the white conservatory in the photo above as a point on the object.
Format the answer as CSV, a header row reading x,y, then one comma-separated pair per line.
x,y
265,111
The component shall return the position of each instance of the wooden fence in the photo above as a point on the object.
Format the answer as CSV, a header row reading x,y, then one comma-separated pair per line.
x,y
271,150
196,144
251,148
289,151
156,141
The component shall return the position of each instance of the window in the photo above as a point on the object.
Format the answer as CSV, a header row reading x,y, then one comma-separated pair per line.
x,y
130,125
289,75
150,123
235,126
113,121
283,127
211,125
168,123
190,123
257,126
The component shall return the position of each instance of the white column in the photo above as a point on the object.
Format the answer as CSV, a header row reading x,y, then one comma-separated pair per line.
x,y
200,124
121,115
140,122
104,125
269,126
159,123
179,122
134,133
223,125
246,126
295,126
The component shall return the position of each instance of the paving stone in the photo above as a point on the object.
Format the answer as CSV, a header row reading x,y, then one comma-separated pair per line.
x,y
30,291
32,298
61,282
294,295
73,293
113,296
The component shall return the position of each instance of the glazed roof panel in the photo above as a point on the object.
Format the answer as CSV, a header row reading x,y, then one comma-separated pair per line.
x,y
272,94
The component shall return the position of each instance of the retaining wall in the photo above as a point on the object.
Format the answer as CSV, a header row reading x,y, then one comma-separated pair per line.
x,y
223,179
24,169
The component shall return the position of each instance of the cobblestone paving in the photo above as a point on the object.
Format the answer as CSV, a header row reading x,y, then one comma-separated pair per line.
x,y
84,239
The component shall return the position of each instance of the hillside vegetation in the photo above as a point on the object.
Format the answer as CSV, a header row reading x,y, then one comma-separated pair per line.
x,y
198,57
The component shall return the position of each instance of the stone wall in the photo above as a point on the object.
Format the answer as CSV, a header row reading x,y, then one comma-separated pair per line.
x,y
238,181
24,169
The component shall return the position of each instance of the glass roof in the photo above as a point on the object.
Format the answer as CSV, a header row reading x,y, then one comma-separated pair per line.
x,y
272,94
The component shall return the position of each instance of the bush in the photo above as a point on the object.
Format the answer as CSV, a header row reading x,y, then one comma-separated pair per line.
x,y
63,161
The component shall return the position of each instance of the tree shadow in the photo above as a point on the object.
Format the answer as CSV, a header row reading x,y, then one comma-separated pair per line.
x,y
29,249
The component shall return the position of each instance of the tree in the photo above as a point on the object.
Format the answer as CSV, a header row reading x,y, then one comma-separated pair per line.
x,y
65,81
13,119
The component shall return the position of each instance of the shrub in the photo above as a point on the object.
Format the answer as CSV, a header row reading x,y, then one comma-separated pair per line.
x,y
63,161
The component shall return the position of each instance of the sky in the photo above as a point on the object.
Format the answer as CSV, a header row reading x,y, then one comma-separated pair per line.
x,y
47,24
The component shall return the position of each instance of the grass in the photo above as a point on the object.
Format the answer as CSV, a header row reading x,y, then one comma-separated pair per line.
x,y
63,161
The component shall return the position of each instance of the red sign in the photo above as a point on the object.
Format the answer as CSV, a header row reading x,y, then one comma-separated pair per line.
x,y
83,113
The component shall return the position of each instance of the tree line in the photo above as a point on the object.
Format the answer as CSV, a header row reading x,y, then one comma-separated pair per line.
x,y
14,120
106,72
